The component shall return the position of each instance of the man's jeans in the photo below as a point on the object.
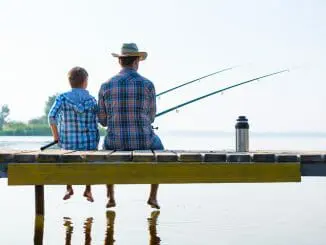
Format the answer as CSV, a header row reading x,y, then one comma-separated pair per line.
x,y
156,145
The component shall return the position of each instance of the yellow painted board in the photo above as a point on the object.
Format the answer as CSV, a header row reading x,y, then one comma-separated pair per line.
x,y
147,173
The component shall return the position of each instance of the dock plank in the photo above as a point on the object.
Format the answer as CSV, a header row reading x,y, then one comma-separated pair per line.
x,y
189,156
214,157
51,155
25,157
143,156
165,156
239,157
72,156
97,156
120,156
8,155
263,157
287,158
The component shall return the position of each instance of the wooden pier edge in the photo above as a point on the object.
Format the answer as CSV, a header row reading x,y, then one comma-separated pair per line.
x,y
150,173
158,167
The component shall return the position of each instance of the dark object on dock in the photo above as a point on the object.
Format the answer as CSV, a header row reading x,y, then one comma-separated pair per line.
x,y
242,134
48,145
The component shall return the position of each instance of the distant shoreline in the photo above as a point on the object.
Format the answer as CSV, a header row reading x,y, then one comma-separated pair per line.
x,y
39,130
45,131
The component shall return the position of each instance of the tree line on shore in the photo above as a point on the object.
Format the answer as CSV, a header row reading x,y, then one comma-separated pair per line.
x,y
34,127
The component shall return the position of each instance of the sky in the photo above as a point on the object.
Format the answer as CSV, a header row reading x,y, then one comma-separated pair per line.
x,y
41,40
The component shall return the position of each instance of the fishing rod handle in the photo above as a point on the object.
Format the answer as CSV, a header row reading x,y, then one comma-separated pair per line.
x,y
48,145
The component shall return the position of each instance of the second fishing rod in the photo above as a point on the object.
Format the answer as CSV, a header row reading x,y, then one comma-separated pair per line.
x,y
195,80
217,91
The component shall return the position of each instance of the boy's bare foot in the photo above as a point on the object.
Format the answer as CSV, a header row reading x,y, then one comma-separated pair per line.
x,y
88,196
111,203
153,203
68,194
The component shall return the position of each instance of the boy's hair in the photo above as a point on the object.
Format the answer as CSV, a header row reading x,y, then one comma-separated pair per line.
x,y
128,60
77,76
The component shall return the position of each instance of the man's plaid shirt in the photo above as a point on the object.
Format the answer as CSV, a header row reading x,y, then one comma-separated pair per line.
x,y
127,107
75,114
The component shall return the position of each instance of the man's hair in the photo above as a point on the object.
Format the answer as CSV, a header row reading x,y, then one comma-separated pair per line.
x,y
128,60
77,76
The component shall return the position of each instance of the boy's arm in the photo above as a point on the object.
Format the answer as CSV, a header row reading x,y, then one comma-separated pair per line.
x,y
52,117
102,116
55,133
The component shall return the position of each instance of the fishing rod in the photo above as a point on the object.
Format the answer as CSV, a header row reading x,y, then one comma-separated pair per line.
x,y
216,92
48,145
195,80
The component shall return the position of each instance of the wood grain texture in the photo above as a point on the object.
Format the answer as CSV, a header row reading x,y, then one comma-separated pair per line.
x,y
96,156
7,155
73,156
287,158
263,157
189,157
120,156
144,173
26,156
214,157
239,157
143,156
165,156
51,155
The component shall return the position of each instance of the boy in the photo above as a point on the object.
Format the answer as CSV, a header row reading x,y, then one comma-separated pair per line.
x,y
73,120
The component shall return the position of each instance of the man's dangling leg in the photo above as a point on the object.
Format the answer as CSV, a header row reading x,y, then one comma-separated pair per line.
x,y
110,194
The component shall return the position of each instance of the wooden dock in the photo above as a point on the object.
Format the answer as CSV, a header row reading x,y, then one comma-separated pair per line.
x,y
59,167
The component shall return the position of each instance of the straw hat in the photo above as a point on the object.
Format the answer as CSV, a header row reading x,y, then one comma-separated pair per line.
x,y
130,49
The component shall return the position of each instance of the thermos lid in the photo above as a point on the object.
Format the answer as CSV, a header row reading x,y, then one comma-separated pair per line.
x,y
242,123
242,119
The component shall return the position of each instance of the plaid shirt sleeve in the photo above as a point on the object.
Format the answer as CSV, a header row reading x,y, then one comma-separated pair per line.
x,y
152,102
102,116
55,109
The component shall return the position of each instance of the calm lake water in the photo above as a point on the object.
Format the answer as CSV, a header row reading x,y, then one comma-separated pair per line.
x,y
277,213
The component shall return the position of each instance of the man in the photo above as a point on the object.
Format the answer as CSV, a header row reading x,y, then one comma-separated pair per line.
x,y
127,107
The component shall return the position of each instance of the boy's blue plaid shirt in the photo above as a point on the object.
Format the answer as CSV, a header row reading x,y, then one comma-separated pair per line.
x,y
127,107
75,114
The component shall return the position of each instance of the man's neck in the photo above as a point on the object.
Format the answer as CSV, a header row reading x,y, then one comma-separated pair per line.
x,y
134,67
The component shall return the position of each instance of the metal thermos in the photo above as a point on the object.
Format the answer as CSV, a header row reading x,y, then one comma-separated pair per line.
x,y
242,134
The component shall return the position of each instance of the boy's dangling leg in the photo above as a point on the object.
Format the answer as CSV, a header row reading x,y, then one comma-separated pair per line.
x,y
110,194
68,193
152,200
88,193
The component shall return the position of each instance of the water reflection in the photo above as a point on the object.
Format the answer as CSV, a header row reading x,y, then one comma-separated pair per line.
x,y
87,230
67,223
38,229
154,239
110,218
